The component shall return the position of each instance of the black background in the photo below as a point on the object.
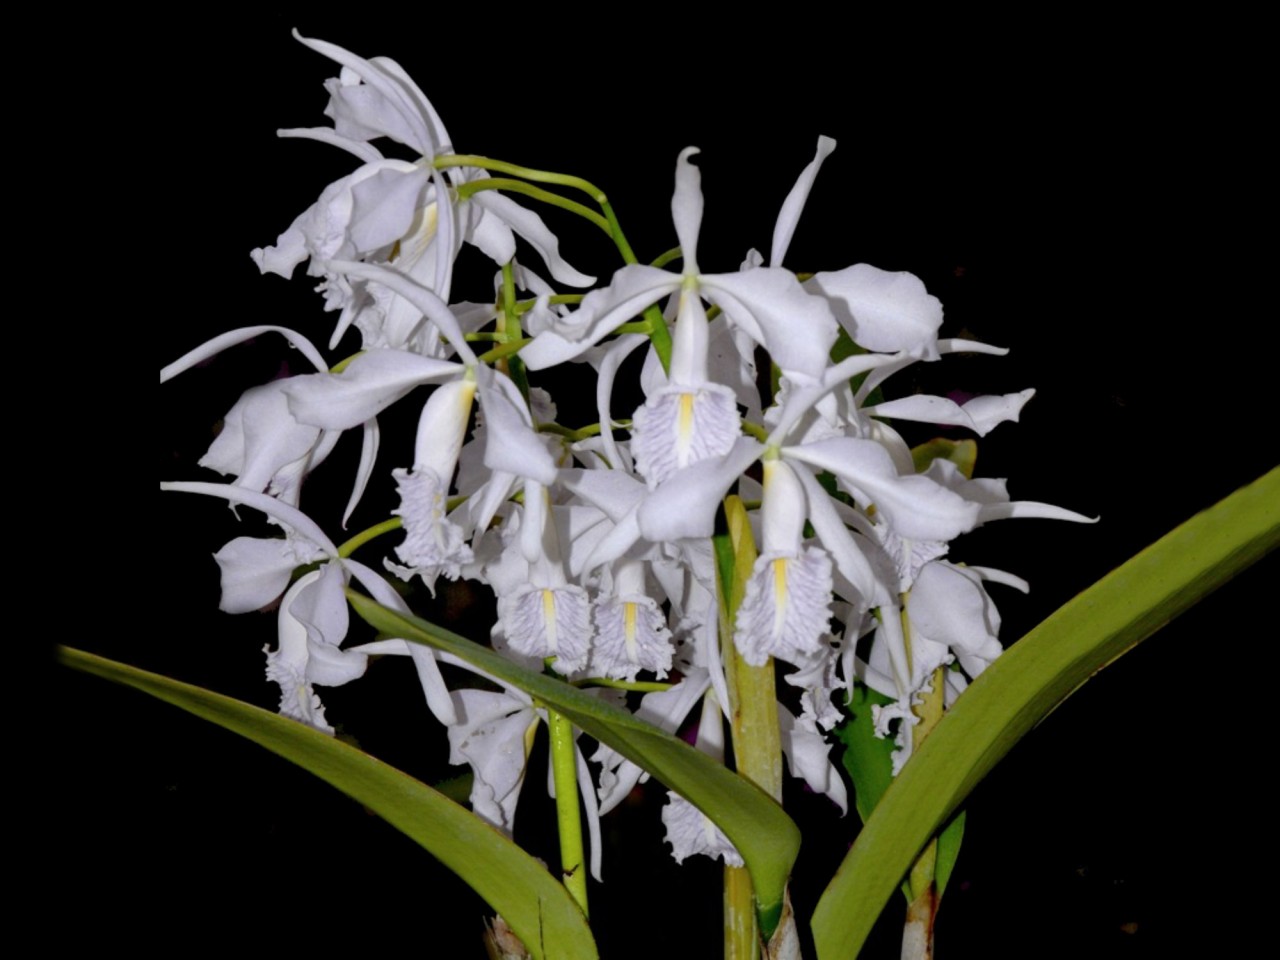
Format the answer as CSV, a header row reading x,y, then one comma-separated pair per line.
x,y
1092,211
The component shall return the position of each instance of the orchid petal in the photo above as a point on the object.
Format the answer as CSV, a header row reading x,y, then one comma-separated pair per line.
x,y
446,250
384,205
840,543
981,414
232,337
797,328
283,513
535,232
442,427
664,709
804,396
883,311
287,664
366,152
618,351
1000,576
957,345
404,122
417,99
371,382
809,757
364,470
321,608
255,571
632,288
685,505
427,301
989,411
789,215
917,507
612,491
511,445
619,540
490,736
587,790
260,436
1030,508
686,208
424,658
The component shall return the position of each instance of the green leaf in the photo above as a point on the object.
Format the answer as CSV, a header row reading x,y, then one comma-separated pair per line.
x,y
530,900
869,761
948,851
1026,683
868,758
765,836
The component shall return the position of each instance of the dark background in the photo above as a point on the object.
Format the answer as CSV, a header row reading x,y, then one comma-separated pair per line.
x,y
1091,212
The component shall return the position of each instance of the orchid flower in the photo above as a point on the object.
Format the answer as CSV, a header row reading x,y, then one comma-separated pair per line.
x,y
767,303
313,617
396,212
689,830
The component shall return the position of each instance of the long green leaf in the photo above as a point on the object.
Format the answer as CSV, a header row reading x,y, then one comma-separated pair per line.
x,y
1026,683
530,900
765,836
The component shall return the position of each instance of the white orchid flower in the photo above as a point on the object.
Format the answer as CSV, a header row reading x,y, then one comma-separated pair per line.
x,y
540,613
767,303
631,630
787,605
689,830
433,544
394,211
313,617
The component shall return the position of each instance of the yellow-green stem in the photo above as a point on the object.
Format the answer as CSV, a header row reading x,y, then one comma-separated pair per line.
x,y
757,743
352,544
546,196
564,767
527,173
920,888
504,350
509,329
741,939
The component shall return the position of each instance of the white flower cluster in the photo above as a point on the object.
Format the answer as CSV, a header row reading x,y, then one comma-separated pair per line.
x,y
596,542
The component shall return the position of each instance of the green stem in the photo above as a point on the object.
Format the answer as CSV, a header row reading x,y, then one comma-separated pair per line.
x,y
504,350
546,196
573,436
564,766
364,536
664,258
509,329
741,939
921,887
660,336
753,701
658,332
524,306
753,713
527,173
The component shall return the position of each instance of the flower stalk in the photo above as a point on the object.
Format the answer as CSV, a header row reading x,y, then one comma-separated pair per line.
x,y
573,869
753,714
921,888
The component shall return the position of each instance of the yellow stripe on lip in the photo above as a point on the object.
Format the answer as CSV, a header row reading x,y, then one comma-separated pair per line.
x,y
629,630
684,425
549,618
779,595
